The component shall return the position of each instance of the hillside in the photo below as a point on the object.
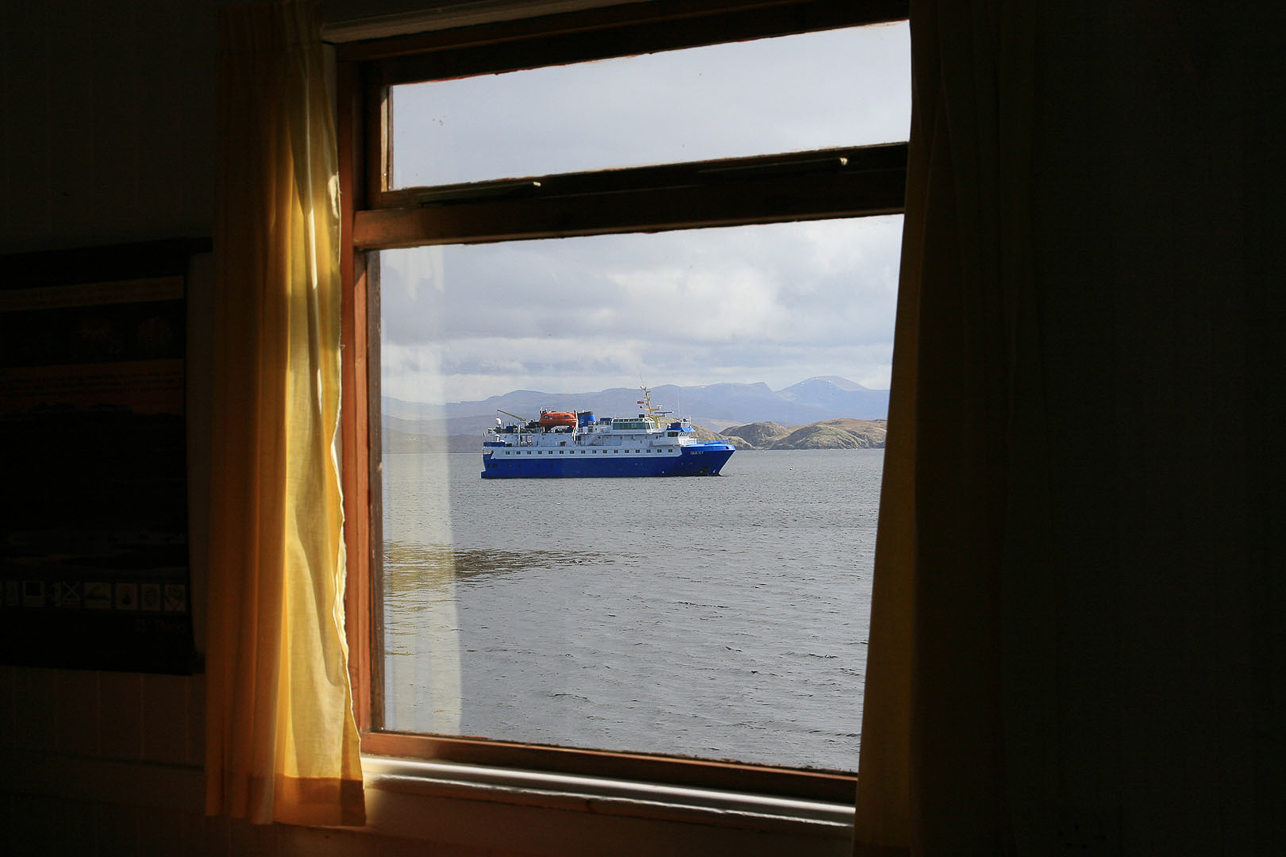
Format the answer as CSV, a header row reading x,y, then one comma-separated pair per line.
x,y
840,433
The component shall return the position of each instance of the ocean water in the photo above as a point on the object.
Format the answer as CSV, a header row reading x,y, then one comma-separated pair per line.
x,y
717,617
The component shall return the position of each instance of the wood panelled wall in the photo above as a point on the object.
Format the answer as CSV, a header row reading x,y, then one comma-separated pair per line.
x,y
108,128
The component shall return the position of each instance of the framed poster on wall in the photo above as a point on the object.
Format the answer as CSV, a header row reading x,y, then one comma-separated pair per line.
x,y
94,569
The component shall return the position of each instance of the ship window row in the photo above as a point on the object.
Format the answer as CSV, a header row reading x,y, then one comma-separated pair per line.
x,y
595,451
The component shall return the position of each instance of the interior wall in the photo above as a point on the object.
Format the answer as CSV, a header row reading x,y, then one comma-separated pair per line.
x,y
108,137
108,132
1160,262
349,20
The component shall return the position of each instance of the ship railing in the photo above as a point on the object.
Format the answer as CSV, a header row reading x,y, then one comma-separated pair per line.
x,y
509,439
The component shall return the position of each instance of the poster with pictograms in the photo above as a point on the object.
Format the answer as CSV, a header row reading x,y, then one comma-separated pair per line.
x,y
94,565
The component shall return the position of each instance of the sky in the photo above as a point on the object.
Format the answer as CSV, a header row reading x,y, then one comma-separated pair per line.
x,y
775,303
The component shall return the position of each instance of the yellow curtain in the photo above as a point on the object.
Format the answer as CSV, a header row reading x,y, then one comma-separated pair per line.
x,y
282,743
962,513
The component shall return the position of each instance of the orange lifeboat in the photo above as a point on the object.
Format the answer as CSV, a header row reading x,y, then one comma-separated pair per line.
x,y
549,419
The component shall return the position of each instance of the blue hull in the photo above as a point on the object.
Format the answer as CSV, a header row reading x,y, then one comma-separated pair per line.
x,y
696,460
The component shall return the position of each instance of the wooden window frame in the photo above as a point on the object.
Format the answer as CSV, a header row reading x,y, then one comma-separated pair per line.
x,y
831,183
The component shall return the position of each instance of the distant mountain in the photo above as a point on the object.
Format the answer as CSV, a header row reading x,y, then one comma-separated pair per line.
x,y
823,381
715,406
829,392
395,441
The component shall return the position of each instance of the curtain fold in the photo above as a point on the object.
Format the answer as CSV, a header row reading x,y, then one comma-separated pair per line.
x,y
282,742
962,505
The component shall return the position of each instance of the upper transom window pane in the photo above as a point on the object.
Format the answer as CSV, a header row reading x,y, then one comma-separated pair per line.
x,y
786,94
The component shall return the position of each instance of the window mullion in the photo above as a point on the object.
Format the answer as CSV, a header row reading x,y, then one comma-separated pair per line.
x,y
719,194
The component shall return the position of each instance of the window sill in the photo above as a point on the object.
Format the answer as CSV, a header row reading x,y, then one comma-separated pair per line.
x,y
600,796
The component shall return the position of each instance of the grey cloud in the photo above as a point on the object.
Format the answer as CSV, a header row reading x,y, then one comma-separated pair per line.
x,y
804,92
775,304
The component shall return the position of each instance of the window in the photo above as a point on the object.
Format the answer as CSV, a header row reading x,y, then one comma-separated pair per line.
x,y
386,210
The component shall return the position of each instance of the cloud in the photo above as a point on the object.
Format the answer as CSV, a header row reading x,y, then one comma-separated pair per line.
x,y
795,93
776,303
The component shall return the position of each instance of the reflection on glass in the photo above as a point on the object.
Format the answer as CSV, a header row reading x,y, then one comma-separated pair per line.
x,y
792,93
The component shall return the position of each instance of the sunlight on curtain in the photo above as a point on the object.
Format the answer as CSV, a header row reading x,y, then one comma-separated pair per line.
x,y
282,743
938,773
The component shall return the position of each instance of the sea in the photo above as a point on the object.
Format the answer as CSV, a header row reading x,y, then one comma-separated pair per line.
x,y
720,617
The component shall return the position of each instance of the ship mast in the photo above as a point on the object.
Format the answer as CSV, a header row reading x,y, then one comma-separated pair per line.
x,y
653,415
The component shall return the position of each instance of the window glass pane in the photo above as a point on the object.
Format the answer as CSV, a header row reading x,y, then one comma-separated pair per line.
x,y
792,93
715,617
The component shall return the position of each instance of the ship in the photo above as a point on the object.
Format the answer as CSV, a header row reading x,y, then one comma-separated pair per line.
x,y
576,444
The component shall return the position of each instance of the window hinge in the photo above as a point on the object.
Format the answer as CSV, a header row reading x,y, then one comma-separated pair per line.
x,y
469,192
776,168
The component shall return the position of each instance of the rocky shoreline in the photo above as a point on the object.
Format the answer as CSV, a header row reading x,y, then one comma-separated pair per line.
x,y
840,433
